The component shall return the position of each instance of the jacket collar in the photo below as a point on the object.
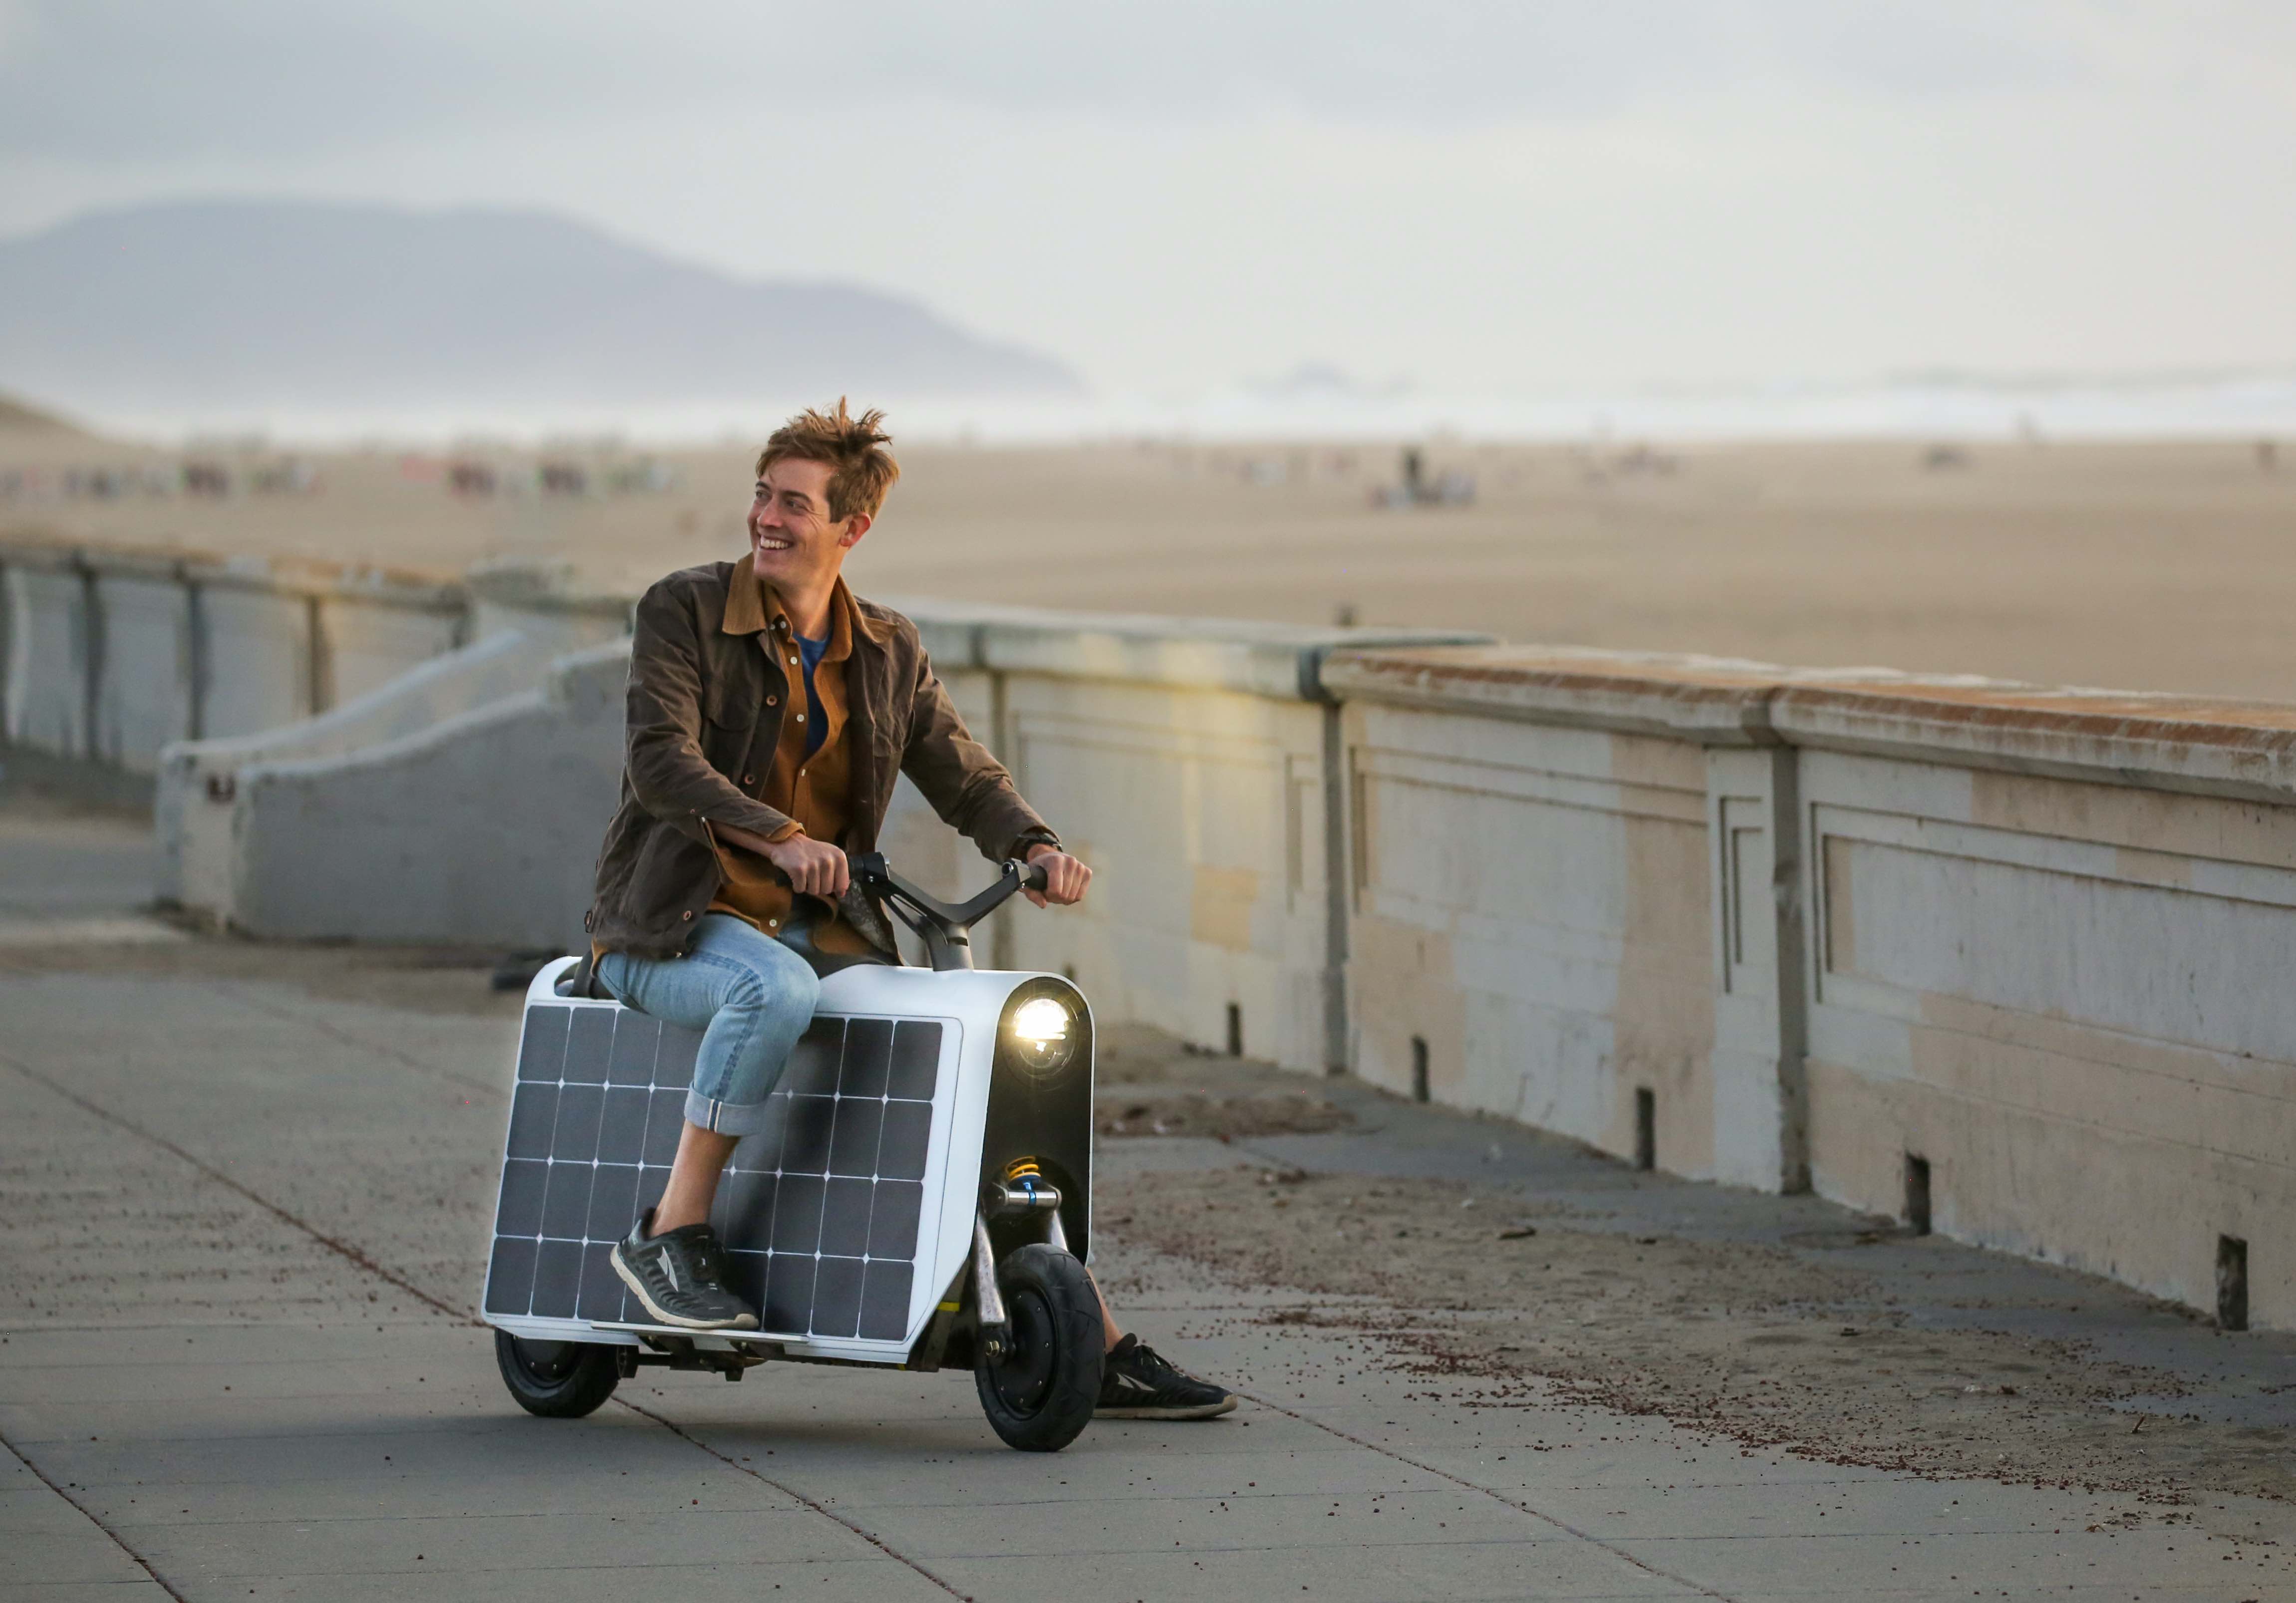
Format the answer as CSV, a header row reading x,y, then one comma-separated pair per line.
x,y
750,608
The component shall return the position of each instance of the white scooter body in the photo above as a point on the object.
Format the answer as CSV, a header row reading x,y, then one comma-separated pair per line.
x,y
968,1005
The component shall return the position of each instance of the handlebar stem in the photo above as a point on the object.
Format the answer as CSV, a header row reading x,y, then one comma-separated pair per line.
x,y
942,927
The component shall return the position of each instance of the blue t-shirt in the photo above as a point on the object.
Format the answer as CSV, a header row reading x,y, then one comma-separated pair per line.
x,y
816,722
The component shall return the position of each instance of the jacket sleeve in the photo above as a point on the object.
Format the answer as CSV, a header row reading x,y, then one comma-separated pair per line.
x,y
669,775
961,777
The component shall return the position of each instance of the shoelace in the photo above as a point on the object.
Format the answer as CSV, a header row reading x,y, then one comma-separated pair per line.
x,y
1148,1358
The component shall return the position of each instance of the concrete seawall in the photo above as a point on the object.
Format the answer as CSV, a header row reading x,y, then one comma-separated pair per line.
x,y
2004,961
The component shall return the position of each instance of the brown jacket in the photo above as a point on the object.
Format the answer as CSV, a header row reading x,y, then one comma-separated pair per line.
x,y
707,697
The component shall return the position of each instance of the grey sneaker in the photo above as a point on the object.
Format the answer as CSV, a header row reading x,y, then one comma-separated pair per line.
x,y
680,1277
1137,1383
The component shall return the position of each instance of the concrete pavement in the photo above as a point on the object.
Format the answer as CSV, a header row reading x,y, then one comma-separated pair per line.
x,y
247,1193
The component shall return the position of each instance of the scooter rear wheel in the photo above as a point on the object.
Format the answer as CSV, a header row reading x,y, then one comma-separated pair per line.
x,y
1040,1395
556,1379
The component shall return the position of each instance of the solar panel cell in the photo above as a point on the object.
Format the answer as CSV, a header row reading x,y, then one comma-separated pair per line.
x,y
638,1038
576,1134
868,1055
845,1217
613,1203
542,1049
885,1299
510,1277
796,1225
812,1069
898,1205
853,1143
622,1127
789,1291
907,1130
915,1065
837,1296
806,1142
589,1044
557,1276
533,1111
519,1212
665,1123
603,1296
566,1200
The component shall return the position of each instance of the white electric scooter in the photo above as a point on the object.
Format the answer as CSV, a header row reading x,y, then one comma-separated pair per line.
x,y
920,1197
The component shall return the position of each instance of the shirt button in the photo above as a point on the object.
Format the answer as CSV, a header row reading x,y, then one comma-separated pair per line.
x,y
771,924
800,717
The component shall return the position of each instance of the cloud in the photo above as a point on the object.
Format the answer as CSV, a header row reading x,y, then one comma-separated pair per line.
x,y
118,80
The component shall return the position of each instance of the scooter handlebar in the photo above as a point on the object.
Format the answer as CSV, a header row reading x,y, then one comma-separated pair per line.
x,y
872,870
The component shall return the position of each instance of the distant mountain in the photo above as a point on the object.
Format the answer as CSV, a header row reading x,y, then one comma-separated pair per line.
x,y
220,305
1321,381
17,418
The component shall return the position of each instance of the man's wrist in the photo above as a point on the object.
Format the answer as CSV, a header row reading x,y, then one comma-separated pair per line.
x,y
1025,844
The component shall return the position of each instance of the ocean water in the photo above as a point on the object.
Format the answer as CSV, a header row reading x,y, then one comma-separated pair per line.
x,y
2250,406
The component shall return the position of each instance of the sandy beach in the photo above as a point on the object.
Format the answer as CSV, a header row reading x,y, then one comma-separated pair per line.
x,y
2164,566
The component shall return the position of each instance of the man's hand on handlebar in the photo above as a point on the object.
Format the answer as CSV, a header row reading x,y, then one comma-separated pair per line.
x,y
815,868
1065,877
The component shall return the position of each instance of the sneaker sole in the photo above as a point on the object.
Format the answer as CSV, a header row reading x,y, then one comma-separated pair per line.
x,y
740,1321
1201,1411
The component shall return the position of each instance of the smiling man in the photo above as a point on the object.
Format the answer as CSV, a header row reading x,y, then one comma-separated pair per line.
x,y
770,712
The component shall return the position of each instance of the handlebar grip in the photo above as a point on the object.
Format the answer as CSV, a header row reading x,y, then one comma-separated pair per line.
x,y
1032,875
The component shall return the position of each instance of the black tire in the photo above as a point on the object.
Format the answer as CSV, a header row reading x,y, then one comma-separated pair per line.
x,y
557,1380
1039,1396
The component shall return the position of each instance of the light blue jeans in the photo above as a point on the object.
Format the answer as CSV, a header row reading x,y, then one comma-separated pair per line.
x,y
750,995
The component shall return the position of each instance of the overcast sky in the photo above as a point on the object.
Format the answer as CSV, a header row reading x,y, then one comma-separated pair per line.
x,y
1517,197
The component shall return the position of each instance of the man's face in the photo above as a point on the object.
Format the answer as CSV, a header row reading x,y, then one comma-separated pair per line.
x,y
792,540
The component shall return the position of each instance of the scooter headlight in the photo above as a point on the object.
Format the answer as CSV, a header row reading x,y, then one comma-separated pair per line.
x,y
1041,1029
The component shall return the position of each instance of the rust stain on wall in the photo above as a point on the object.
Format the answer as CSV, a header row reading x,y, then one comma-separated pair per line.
x,y
1663,1021
2153,821
1406,989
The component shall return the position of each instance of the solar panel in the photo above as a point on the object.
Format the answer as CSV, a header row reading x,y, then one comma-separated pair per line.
x,y
820,1211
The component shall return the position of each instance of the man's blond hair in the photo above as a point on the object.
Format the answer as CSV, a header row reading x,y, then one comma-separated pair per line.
x,y
861,469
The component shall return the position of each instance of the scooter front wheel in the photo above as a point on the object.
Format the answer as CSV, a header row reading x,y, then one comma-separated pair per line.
x,y
1040,1393
556,1379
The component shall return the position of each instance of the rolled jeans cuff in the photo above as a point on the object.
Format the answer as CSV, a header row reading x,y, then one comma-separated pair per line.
x,y
726,1118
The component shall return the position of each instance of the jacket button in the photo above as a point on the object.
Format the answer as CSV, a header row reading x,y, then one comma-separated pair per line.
x,y
749,778
687,915
773,701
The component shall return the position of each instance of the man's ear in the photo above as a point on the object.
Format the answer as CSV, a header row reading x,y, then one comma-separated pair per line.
x,y
856,525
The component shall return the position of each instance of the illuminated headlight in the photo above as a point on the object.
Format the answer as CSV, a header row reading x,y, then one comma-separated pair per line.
x,y
1040,1027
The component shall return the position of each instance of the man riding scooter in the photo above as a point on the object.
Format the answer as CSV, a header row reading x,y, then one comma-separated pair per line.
x,y
770,712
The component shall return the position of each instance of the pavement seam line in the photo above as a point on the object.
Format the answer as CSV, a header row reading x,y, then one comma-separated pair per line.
x,y
331,1243
1563,1525
878,1542
88,1514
